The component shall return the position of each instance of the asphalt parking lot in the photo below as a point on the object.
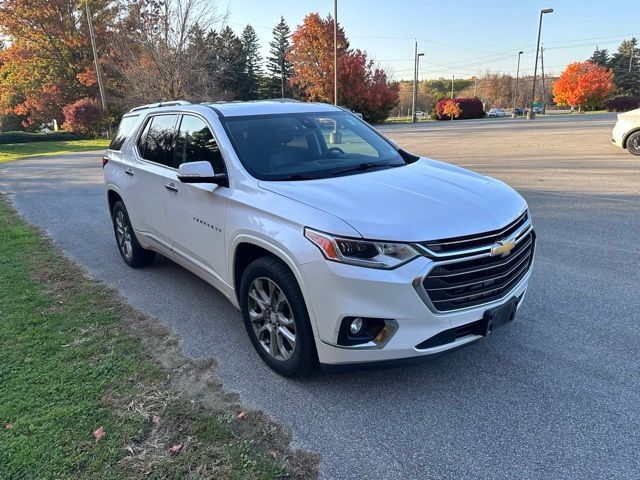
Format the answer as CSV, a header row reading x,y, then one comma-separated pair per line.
x,y
554,395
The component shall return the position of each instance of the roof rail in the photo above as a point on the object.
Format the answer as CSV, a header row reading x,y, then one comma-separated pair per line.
x,y
161,104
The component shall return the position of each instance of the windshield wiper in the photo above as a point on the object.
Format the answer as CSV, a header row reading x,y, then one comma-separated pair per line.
x,y
366,166
297,176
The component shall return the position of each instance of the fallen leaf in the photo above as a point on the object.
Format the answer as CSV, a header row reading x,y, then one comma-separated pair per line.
x,y
274,454
98,434
241,415
176,449
8,426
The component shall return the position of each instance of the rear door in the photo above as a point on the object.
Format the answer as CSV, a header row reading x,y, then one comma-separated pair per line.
x,y
147,183
196,212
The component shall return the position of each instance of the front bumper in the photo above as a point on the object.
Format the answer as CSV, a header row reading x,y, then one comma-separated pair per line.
x,y
336,291
619,131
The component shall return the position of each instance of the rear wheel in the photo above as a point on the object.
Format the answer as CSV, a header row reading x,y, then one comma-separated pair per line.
x,y
276,317
132,252
633,143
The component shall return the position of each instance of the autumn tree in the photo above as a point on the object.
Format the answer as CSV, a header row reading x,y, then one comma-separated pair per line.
x,y
48,62
583,84
278,65
451,109
361,86
157,52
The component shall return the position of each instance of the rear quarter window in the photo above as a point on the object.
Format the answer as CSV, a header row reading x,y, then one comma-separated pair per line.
x,y
124,131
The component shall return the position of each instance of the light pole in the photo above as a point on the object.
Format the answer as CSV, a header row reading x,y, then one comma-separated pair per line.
x,y
515,92
544,92
453,77
531,115
414,99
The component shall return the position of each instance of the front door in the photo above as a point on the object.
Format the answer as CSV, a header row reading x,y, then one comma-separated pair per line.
x,y
195,213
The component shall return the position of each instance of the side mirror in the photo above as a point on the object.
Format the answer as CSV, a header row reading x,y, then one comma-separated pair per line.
x,y
200,172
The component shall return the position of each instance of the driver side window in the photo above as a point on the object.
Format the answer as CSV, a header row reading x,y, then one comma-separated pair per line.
x,y
195,143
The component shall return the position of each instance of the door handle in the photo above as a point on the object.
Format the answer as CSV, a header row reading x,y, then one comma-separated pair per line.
x,y
129,171
171,186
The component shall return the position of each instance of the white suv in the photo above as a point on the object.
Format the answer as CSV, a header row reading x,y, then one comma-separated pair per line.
x,y
337,246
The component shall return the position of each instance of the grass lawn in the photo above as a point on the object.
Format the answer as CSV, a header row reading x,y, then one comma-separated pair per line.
x,y
74,357
17,151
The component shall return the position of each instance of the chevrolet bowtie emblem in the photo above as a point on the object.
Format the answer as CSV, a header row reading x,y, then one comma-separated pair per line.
x,y
503,247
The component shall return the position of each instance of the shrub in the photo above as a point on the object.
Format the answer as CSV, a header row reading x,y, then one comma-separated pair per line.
x,y
84,116
25,137
623,103
471,107
10,122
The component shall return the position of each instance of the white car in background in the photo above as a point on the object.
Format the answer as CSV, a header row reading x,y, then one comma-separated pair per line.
x,y
626,133
496,112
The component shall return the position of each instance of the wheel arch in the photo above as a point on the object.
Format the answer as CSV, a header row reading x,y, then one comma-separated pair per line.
x,y
628,134
112,197
247,248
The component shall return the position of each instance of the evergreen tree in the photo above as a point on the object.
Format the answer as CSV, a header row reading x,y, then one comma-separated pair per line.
x,y
230,64
625,64
253,61
278,65
600,57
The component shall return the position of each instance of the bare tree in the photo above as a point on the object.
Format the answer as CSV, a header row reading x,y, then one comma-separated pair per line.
x,y
159,58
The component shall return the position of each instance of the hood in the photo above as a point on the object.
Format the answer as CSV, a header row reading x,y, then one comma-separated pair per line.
x,y
630,114
426,200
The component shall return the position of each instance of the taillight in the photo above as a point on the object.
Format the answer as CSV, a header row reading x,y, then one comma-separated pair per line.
x,y
105,160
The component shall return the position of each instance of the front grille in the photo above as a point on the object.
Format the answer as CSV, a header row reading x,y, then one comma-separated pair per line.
x,y
468,282
441,247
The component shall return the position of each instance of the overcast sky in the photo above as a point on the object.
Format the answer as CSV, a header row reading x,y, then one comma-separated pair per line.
x,y
462,37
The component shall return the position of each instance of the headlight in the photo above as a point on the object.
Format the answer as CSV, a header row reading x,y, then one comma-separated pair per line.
x,y
361,252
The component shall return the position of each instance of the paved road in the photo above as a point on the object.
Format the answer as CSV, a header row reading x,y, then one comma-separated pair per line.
x,y
555,395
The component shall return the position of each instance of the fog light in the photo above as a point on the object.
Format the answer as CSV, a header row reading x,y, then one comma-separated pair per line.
x,y
356,326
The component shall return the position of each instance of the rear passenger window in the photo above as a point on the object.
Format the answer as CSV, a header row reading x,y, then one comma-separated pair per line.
x,y
156,141
124,131
195,143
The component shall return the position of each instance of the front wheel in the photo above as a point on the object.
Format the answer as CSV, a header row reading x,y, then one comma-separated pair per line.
x,y
276,317
633,143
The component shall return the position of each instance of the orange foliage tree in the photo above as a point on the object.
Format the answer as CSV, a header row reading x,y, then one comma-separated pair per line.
x,y
583,84
361,87
451,109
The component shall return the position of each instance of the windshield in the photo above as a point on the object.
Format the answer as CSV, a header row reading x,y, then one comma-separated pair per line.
x,y
303,146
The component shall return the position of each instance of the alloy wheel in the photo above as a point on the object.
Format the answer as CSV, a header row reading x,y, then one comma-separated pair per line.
x,y
123,235
272,318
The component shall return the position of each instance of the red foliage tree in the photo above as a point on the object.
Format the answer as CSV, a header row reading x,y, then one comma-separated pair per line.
x,y
583,84
84,116
361,87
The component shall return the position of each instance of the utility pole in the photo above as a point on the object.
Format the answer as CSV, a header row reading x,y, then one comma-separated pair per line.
x,y
633,51
414,99
453,77
335,52
532,115
95,57
475,86
515,92
542,72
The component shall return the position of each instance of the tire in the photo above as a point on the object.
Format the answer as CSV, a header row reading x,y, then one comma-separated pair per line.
x,y
130,249
264,317
633,143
